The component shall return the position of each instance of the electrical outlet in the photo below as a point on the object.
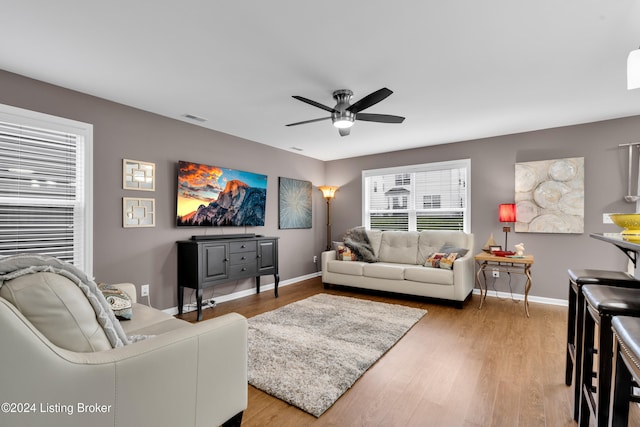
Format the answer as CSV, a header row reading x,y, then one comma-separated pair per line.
x,y
144,291
496,273
315,259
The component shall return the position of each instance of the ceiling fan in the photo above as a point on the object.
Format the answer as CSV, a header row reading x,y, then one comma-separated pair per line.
x,y
343,115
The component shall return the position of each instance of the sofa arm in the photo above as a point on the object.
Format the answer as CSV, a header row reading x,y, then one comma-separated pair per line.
x,y
206,364
464,276
327,256
195,375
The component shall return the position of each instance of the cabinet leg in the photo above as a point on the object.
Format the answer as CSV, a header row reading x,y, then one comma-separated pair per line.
x,y
257,284
180,298
199,302
276,277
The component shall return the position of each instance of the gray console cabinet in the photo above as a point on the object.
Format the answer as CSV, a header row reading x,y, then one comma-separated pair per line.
x,y
215,260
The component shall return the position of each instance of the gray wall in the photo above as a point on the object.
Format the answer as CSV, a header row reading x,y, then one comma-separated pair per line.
x,y
492,183
148,255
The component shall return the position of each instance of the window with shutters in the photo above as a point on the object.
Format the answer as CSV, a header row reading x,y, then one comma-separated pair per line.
x,y
433,196
45,186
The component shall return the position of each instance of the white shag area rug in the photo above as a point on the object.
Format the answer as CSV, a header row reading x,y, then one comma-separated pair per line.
x,y
308,353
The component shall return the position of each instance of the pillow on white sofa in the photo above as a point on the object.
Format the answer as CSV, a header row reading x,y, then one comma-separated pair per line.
x,y
59,309
119,301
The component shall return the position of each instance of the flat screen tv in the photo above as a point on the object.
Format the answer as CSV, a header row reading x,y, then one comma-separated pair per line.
x,y
215,196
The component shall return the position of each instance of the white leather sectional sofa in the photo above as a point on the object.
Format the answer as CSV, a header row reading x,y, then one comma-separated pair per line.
x,y
401,266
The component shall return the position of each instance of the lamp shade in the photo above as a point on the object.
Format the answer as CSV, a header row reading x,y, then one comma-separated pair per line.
x,y
328,191
633,69
507,212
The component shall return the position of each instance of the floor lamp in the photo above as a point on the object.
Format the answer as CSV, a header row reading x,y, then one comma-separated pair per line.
x,y
506,213
328,192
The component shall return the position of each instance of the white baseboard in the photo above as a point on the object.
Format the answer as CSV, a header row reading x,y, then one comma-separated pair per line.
x,y
532,298
269,287
251,291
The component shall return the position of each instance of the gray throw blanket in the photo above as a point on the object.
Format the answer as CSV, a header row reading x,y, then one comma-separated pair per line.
x,y
357,240
19,265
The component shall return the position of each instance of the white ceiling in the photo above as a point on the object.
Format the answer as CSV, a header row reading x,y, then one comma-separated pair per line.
x,y
459,69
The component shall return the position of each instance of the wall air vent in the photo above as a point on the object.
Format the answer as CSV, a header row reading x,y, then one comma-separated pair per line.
x,y
195,118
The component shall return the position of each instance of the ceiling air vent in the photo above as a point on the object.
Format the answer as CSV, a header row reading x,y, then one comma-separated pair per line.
x,y
195,118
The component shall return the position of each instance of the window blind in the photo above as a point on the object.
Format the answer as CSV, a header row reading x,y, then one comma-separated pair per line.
x,y
42,194
418,197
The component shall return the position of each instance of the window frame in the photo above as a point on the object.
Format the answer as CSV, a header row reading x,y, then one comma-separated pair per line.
x,y
413,209
83,244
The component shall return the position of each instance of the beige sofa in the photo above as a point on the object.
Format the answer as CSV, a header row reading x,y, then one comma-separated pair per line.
x,y
401,267
183,375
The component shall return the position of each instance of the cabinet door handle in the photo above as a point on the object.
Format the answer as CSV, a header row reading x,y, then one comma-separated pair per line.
x,y
225,260
243,258
243,246
243,269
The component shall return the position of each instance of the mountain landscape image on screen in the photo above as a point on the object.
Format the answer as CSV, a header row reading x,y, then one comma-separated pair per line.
x,y
214,196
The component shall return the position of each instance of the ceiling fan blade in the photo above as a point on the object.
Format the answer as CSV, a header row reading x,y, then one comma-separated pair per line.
x,y
308,121
314,103
344,131
369,100
381,118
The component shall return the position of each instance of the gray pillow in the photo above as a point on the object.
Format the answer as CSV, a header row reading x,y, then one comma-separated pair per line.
x,y
449,249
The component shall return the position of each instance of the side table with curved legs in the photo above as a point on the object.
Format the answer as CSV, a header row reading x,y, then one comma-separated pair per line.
x,y
517,265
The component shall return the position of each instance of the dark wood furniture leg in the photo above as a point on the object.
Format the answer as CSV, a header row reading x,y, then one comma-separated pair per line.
x,y
180,298
234,421
621,393
199,302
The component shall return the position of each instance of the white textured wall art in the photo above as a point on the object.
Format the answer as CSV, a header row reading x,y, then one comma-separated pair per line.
x,y
550,196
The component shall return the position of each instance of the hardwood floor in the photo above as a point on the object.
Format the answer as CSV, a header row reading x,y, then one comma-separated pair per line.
x,y
469,367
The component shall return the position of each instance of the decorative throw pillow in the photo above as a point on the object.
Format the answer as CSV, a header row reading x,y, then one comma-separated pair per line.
x,y
447,261
345,254
434,259
119,301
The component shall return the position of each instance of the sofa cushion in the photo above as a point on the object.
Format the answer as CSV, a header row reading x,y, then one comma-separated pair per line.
x,y
351,268
59,309
375,238
426,247
383,270
149,321
399,247
437,276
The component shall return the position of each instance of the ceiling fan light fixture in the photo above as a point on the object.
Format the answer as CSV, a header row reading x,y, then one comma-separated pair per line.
x,y
343,119
633,70
343,123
